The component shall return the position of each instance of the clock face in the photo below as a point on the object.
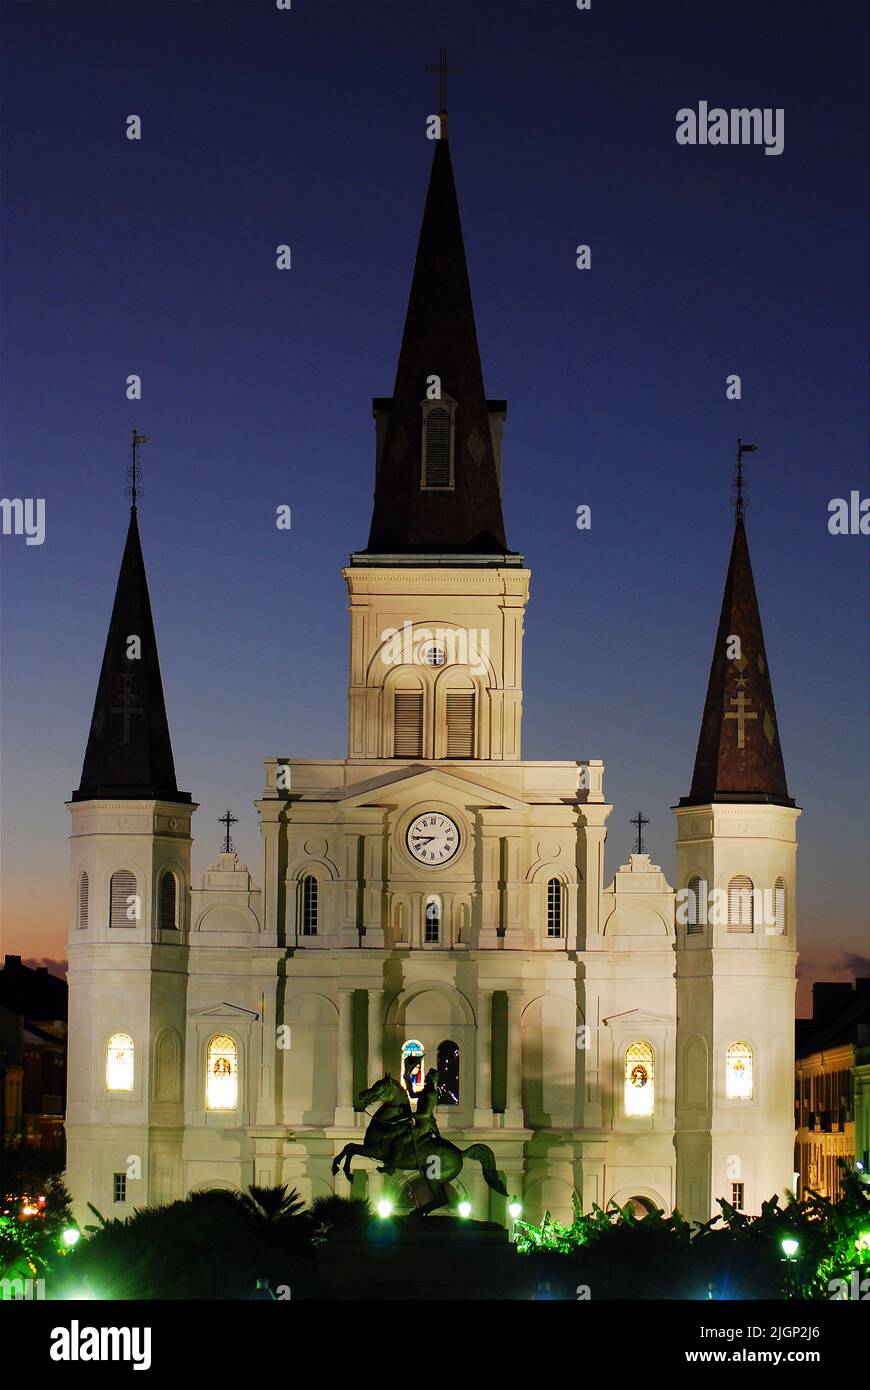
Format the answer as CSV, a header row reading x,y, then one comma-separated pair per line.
x,y
433,838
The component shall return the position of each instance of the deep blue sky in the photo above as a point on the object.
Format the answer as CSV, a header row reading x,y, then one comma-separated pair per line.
x,y
308,127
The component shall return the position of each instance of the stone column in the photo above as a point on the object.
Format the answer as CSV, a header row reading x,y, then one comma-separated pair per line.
x,y
483,1061
514,1098
376,1036
344,1111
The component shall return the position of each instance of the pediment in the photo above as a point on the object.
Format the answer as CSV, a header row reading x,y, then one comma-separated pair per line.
x,y
421,779
637,1018
225,1010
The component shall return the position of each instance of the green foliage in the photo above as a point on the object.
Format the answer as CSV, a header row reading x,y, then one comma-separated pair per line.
x,y
334,1213
619,1255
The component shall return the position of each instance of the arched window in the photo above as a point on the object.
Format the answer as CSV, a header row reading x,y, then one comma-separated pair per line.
x,y
168,902
432,924
697,906
309,905
460,724
83,901
119,1062
554,907
741,916
738,1071
448,1073
639,1079
413,1061
436,448
123,901
779,906
408,724
222,1074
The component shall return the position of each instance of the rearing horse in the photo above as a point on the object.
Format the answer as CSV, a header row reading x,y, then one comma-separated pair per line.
x,y
391,1134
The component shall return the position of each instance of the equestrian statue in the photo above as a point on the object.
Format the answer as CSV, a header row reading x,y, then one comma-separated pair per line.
x,y
407,1139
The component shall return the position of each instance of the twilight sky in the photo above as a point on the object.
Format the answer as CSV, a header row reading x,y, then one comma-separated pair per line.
x,y
308,127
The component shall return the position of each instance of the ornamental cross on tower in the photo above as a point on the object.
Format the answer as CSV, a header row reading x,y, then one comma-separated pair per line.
x,y
740,481
134,473
741,713
640,820
228,820
442,69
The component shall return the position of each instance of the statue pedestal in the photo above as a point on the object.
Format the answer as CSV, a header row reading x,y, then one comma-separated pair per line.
x,y
423,1257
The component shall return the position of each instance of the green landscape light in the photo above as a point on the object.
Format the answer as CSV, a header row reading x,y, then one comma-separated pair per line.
x,y
789,1247
515,1210
464,1209
70,1237
385,1208
863,1241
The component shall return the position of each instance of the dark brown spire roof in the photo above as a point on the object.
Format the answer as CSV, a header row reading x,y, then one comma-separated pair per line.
x,y
739,758
129,753
440,339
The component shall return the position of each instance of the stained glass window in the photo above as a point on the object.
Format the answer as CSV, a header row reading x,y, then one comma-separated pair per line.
x,y
738,1071
222,1085
119,1062
639,1079
413,1060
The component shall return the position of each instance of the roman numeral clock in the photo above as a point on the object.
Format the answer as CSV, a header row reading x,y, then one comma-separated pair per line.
x,y
433,838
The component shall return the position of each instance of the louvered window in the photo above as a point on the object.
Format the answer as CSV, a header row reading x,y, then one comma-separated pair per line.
x,y
740,904
779,906
697,906
408,724
168,902
460,724
83,901
122,912
436,460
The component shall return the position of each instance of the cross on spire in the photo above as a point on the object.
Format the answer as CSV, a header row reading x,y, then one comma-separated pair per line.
x,y
134,473
442,69
228,820
739,481
640,821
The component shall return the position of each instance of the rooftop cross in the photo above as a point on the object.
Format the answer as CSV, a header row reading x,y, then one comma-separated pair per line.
x,y
640,821
739,481
228,820
442,69
133,490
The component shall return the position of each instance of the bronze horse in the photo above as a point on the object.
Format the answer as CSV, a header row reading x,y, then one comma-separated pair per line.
x,y
401,1139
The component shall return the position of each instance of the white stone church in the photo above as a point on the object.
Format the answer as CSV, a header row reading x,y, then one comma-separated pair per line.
x,y
433,899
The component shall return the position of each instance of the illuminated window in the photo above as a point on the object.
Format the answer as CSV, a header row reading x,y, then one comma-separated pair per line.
x,y
779,906
697,906
309,906
740,904
738,1071
119,1187
554,907
123,902
168,902
639,1079
448,1073
119,1062
413,1060
432,930
222,1083
83,901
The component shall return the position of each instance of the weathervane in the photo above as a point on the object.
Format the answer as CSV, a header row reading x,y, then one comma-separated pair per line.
x,y
133,490
739,480
442,69
228,820
640,821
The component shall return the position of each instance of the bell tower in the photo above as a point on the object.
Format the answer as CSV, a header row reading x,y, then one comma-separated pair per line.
x,y
735,926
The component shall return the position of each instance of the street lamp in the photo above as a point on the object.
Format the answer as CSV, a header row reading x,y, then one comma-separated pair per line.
x,y
70,1237
464,1210
789,1247
515,1210
385,1208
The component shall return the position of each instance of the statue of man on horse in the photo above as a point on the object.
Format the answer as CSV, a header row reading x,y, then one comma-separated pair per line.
x,y
406,1139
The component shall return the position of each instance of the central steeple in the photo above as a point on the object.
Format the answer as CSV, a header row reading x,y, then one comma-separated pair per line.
x,y
437,488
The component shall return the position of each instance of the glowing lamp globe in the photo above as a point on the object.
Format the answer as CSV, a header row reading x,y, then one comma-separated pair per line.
x,y
71,1237
464,1209
385,1208
515,1210
789,1247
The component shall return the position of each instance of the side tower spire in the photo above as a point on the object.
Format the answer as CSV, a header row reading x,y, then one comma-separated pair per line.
x,y
735,925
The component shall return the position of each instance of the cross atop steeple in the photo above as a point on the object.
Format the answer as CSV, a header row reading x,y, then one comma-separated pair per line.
x,y
640,821
442,69
739,480
228,819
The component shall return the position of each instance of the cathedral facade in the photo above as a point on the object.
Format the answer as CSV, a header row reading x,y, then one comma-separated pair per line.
x,y
432,899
